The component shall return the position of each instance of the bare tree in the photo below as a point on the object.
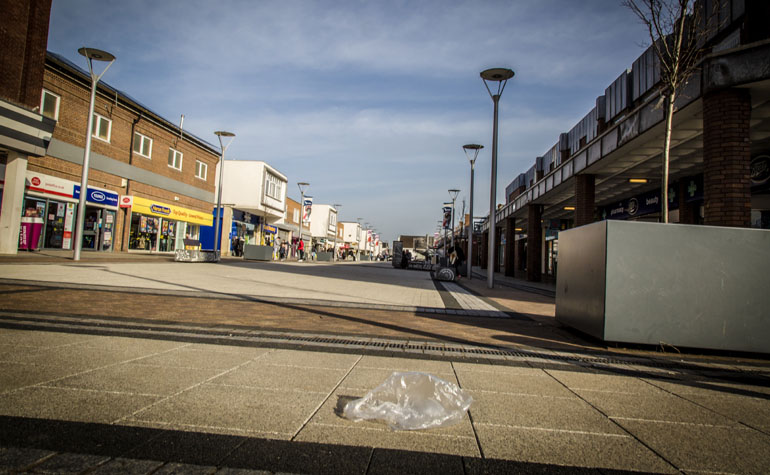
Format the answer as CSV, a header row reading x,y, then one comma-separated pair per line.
x,y
678,33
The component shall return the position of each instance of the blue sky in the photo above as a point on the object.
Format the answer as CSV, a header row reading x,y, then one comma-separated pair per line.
x,y
369,101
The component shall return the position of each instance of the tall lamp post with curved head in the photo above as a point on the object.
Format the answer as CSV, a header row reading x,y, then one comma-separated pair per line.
x,y
472,151
229,137
91,54
302,187
501,77
453,194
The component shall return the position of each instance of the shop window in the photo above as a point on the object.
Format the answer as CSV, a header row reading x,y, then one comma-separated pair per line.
x,y
102,128
142,145
201,169
273,186
49,105
175,159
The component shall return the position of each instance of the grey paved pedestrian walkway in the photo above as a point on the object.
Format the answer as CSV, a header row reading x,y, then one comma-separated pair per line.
x,y
85,394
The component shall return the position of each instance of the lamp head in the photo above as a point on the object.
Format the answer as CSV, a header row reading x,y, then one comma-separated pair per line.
x,y
302,187
498,75
472,151
453,193
97,54
222,133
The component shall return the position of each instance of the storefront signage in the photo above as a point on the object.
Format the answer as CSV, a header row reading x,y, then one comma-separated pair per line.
x,y
270,229
760,170
639,205
126,201
97,196
49,184
163,210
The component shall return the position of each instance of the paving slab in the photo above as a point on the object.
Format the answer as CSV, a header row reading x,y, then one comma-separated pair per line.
x,y
574,448
660,406
381,438
539,412
70,463
15,459
397,462
233,409
72,404
366,379
203,357
127,466
309,359
404,364
256,374
705,448
536,382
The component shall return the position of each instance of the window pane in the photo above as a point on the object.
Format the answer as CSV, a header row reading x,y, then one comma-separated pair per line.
x,y
49,105
146,146
171,157
138,143
104,129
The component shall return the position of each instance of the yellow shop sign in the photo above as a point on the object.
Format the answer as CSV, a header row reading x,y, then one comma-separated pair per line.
x,y
164,210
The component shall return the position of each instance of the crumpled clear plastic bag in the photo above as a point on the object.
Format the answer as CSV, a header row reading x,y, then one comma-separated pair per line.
x,y
411,401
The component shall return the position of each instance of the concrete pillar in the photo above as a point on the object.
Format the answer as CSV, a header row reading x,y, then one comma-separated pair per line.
x,y
585,194
727,158
13,202
520,251
534,242
688,212
484,250
510,245
498,234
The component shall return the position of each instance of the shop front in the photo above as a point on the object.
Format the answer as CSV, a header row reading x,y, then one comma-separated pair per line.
x,y
161,227
50,213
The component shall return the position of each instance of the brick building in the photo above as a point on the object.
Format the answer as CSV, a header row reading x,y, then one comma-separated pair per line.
x,y
608,166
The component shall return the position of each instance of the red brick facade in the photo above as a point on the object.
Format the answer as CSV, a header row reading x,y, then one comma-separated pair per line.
x,y
23,40
727,158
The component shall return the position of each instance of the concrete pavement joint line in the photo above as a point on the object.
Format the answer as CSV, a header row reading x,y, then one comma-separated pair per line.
x,y
304,424
121,419
223,430
470,416
623,429
540,396
388,430
100,391
547,429
263,388
42,383
682,423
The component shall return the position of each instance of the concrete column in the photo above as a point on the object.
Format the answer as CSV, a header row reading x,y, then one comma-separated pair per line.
x,y
520,251
484,250
534,242
13,202
510,245
727,158
585,194
498,234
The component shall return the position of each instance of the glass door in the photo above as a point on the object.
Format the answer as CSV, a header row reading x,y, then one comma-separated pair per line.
x,y
107,232
91,226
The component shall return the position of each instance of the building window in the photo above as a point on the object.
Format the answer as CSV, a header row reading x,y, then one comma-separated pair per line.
x,y
49,105
174,158
142,145
296,216
101,128
200,169
273,187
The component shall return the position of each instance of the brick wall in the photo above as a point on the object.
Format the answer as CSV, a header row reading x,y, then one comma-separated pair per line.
x,y
585,194
23,40
727,158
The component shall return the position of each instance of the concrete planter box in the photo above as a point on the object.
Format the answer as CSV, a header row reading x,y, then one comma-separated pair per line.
x,y
258,253
323,256
196,255
648,283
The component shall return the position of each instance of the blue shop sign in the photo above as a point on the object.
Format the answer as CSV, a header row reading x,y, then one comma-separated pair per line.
x,y
244,217
97,196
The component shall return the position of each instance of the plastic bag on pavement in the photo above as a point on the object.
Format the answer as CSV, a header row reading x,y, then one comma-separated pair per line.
x,y
412,401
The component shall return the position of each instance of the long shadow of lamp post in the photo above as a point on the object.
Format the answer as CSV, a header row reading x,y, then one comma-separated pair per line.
x,y
501,77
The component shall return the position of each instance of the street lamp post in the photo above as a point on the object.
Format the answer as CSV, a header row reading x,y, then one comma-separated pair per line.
x,y
302,187
472,152
501,77
337,206
99,55
453,194
218,224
